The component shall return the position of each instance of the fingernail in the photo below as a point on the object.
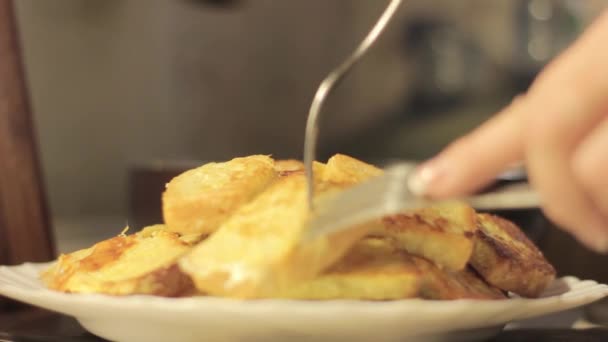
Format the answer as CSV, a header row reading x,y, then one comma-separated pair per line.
x,y
421,181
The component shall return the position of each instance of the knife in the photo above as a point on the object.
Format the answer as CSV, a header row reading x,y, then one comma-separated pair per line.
x,y
389,194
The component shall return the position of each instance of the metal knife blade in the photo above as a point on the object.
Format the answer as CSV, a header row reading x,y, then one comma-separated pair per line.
x,y
389,195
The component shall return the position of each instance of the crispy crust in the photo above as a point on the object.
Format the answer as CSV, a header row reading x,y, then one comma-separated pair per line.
x,y
267,231
255,211
287,166
199,200
446,285
372,270
507,259
443,234
377,269
257,252
141,263
347,171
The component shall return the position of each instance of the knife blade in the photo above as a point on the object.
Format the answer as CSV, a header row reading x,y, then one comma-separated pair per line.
x,y
389,194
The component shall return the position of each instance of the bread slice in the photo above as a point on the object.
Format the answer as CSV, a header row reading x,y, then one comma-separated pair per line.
x,y
256,211
257,251
507,259
290,167
347,171
377,269
199,200
141,263
447,285
442,234
285,166
373,269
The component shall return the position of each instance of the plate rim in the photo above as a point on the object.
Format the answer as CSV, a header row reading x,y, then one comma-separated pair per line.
x,y
95,311
187,302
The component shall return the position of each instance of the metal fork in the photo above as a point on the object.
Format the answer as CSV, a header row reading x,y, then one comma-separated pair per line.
x,y
389,194
312,128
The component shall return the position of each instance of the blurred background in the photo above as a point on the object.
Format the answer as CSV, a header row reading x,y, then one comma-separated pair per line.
x,y
127,93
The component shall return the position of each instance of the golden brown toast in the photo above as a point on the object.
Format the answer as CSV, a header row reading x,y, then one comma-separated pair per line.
x,y
256,252
199,200
445,285
285,166
507,259
141,263
377,269
373,269
255,210
347,171
443,234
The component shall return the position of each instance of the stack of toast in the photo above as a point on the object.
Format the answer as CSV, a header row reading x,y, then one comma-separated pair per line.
x,y
234,229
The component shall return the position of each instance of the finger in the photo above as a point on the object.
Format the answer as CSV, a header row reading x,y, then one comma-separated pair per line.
x,y
566,102
590,166
564,201
550,145
577,82
473,160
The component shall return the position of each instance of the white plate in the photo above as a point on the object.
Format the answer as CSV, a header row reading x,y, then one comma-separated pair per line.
x,y
147,318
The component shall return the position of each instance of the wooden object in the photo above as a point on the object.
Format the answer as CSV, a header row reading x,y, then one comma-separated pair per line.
x,y
25,232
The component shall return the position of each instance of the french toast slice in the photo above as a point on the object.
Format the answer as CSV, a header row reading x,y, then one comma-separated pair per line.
x,y
257,251
198,201
442,234
373,269
286,166
447,285
507,259
255,210
140,263
345,171
340,169
290,167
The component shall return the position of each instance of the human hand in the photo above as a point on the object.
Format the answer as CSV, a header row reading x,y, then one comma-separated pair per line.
x,y
559,129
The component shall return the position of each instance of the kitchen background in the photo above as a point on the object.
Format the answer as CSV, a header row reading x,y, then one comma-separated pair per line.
x,y
127,92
